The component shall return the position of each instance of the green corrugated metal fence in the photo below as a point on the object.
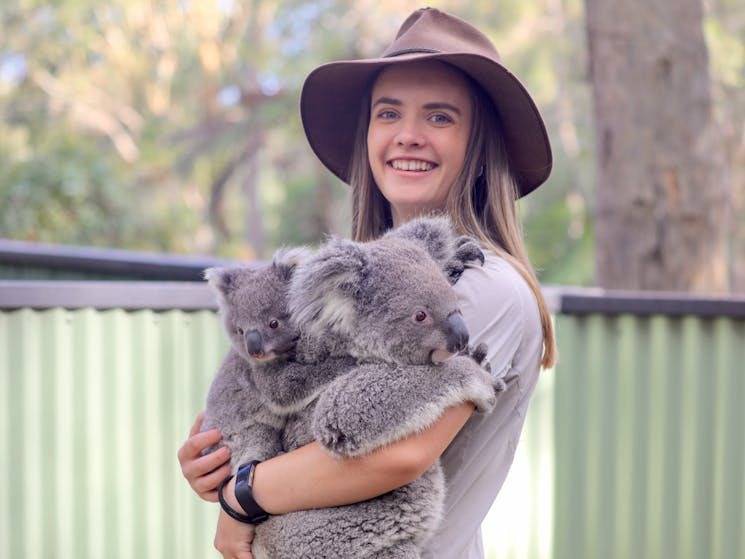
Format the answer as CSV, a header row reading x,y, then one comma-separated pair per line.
x,y
93,407
633,447
650,437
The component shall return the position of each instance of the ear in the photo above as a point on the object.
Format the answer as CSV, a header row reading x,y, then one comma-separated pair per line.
x,y
222,280
434,233
286,260
323,291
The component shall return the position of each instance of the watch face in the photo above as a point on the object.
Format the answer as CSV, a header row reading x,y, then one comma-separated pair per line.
x,y
251,474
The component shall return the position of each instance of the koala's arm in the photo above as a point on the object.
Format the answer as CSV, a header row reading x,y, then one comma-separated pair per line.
x,y
234,406
377,404
310,477
295,384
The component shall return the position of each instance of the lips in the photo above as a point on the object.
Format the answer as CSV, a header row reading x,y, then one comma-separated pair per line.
x,y
418,165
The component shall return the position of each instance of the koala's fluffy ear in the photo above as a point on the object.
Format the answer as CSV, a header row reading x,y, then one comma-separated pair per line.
x,y
433,233
285,260
222,280
324,289
436,235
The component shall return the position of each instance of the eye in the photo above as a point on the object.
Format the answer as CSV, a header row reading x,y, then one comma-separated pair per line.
x,y
239,330
274,324
440,118
420,316
387,115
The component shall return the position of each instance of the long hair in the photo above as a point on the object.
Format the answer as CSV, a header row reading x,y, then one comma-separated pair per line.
x,y
481,202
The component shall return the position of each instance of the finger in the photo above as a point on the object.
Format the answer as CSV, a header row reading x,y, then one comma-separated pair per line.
x,y
197,424
199,467
196,444
208,484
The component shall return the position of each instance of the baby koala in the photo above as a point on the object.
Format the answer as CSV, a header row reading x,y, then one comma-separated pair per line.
x,y
260,380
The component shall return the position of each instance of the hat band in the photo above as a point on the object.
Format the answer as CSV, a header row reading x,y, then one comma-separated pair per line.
x,y
412,51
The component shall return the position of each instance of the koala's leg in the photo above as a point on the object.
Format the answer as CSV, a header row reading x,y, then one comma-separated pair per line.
x,y
235,407
399,520
257,441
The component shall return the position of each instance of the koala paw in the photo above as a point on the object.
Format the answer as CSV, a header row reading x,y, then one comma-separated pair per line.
x,y
467,251
478,354
336,441
334,431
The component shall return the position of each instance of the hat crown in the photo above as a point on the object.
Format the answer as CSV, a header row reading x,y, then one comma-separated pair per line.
x,y
429,30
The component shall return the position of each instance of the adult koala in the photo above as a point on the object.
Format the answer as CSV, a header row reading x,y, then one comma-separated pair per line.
x,y
387,304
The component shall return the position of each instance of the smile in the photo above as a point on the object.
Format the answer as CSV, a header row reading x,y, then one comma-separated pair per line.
x,y
411,165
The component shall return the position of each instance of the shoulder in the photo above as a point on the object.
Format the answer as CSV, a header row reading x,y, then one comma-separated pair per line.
x,y
500,309
496,288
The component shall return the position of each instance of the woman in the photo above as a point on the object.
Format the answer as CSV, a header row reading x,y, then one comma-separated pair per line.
x,y
436,124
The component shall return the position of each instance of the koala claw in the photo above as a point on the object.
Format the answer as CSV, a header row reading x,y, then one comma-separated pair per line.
x,y
468,250
478,354
499,385
335,440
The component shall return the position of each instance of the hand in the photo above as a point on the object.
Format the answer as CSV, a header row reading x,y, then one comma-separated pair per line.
x,y
233,539
204,473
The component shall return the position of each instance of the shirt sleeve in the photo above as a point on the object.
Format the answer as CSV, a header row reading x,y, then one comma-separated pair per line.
x,y
500,310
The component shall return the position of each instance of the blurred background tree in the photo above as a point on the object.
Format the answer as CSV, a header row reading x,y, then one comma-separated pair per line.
x,y
173,126
662,182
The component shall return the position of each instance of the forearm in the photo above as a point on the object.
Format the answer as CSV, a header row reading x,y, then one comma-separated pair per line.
x,y
310,477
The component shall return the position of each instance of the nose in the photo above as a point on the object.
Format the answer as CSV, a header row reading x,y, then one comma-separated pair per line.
x,y
457,333
254,345
409,134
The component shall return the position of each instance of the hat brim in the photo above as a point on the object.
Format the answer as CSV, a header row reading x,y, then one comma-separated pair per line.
x,y
332,94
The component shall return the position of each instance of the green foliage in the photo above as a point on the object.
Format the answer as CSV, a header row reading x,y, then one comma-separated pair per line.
x,y
174,126
62,190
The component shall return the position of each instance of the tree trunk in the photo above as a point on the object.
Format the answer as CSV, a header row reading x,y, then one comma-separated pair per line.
x,y
661,189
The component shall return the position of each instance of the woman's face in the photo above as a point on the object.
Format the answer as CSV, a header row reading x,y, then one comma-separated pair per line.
x,y
420,122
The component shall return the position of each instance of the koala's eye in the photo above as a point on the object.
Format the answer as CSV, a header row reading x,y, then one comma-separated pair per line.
x,y
239,330
420,316
274,324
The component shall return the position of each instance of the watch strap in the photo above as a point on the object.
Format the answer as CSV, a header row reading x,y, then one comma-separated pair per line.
x,y
244,493
230,511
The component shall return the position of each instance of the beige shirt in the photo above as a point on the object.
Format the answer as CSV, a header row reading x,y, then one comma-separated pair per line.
x,y
501,311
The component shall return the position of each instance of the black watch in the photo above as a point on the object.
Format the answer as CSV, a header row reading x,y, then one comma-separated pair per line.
x,y
244,495
244,481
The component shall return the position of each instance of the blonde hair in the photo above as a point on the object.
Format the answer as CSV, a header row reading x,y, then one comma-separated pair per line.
x,y
481,203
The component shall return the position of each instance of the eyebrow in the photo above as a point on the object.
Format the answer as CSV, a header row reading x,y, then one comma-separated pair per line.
x,y
429,106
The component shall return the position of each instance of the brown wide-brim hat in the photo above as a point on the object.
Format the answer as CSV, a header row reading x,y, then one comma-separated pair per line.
x,y
331,98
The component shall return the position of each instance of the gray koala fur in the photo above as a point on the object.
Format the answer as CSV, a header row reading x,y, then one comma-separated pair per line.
x,y
387,304
435,234
260,380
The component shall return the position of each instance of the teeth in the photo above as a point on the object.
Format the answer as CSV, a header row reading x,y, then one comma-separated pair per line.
x,y
411,165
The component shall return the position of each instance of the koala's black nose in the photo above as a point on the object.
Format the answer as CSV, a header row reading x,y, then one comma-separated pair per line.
x,y
254,346
457,337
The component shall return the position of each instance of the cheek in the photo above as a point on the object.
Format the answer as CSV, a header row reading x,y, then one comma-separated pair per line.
x,y
373,148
